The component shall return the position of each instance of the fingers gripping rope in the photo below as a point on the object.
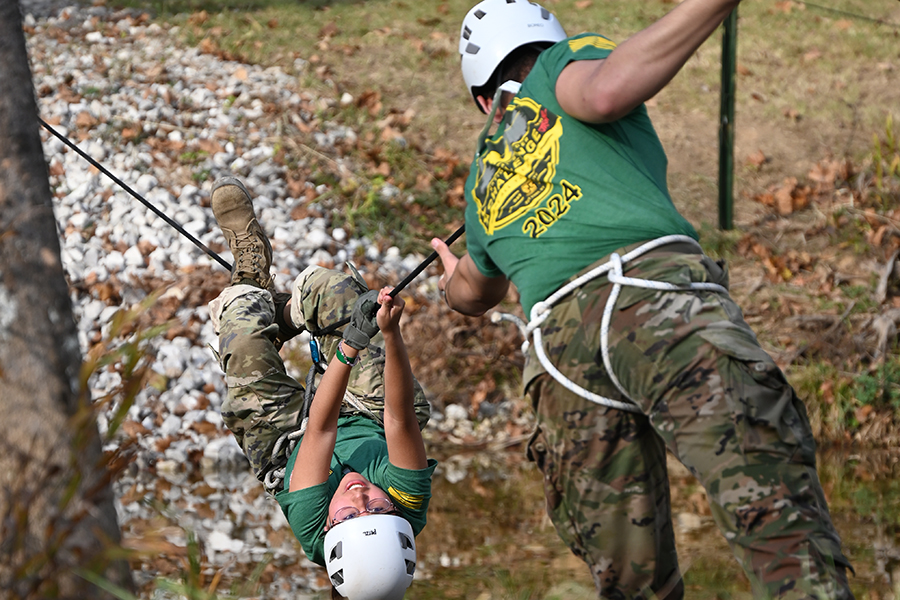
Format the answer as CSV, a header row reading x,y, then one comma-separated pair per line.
x,y
614,271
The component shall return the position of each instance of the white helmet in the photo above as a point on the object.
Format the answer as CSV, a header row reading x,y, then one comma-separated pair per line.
x,y
371,557
493,29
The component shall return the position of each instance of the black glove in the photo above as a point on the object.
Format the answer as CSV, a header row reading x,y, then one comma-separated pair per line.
x,y
362,321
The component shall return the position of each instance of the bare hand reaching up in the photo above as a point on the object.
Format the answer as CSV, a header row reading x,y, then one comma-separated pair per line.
x,y
388,316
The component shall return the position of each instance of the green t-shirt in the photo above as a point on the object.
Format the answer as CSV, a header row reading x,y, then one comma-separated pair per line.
x,y
548,195
361,447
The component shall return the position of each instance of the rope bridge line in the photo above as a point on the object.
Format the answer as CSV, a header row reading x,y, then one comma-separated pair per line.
x,y
848,14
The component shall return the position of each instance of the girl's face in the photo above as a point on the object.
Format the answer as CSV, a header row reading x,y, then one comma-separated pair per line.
x,y
354,491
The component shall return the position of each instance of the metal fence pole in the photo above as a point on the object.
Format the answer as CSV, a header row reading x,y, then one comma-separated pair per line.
x,y
726,124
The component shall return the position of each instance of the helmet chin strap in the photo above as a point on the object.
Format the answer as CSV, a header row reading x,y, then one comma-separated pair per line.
x,y
510,86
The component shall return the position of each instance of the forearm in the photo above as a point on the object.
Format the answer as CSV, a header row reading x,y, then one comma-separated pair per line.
x,y
317,445
398,380
406,449
645,63
471,293
326,406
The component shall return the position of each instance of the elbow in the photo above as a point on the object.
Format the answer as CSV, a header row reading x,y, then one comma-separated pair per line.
x,y
471,310
607,106
477,307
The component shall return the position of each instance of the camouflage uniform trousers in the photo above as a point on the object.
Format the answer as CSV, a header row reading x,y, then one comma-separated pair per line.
x,y
263,402
713,398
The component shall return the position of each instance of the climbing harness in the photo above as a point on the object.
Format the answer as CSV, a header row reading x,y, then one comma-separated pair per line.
x,y
613,269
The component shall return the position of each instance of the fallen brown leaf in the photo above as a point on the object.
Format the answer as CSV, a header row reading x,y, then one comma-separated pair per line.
x,y
757,159
784,6
791,113
208,46
812,55
85,119
329,30
198,18
134,429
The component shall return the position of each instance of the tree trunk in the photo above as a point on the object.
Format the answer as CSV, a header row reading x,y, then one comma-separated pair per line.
x,y
56,505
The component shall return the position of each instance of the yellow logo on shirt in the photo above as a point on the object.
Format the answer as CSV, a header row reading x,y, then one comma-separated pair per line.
x,y
591,40
410,501
516,172
546,216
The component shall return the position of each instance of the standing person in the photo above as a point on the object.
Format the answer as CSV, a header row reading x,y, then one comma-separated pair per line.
x,y
357,449
572,184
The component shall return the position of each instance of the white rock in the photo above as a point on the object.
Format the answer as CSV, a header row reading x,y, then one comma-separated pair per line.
x,y
145,183
133,257
114,261
221,542
170,426
455,412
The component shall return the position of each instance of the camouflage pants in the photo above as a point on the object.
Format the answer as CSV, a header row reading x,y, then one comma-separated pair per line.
x,y
713,398
264,402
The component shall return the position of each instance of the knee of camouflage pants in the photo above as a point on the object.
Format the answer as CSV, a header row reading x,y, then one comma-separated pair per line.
x,y
764,489
321,297
607,491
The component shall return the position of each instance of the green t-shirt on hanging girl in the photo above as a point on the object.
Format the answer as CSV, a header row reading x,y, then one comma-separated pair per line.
x,y
548,195
361,447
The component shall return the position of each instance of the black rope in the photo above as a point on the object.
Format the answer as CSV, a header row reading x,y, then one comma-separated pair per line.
x,y
406,281
325,331
158,213
850,14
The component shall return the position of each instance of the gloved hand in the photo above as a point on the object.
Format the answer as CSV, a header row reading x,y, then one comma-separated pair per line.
x,y
362,324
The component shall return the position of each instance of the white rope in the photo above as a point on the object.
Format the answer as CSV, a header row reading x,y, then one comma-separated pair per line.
x,y
275,478
614,270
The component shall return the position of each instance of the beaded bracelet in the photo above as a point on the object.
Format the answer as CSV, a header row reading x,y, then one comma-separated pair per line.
x,y
343,358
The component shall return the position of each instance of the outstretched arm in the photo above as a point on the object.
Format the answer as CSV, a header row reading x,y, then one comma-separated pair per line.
x,y
406,449
317,444
601,91
466,289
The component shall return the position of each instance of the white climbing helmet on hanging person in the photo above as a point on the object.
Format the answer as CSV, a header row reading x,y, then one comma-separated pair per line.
x,y
372,557
493,29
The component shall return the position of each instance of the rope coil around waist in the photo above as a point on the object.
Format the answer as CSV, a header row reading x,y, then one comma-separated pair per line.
x,y
613,269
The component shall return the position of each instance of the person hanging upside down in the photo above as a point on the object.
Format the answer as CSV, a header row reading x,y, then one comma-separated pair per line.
x,y
347,465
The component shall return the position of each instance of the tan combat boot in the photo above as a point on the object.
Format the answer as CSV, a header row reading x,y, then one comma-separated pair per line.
x,y
252,251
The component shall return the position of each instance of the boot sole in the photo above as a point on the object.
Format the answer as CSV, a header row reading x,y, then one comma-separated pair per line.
x,y
223,181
